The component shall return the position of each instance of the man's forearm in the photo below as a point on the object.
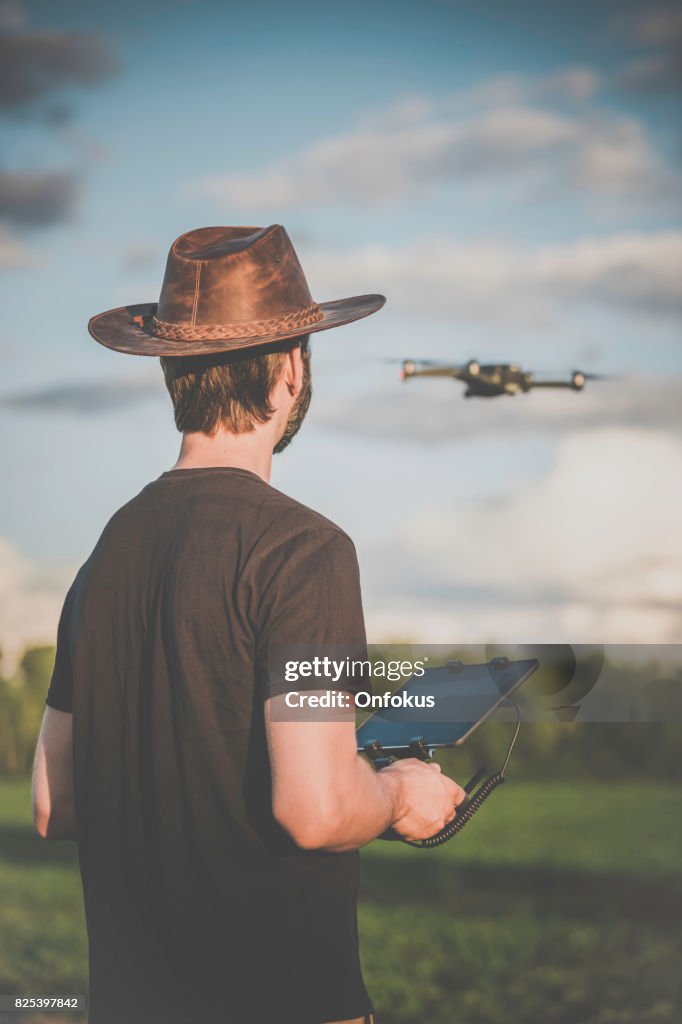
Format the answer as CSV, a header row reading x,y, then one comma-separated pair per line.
x,y
370,803
327,797
53,799
413,798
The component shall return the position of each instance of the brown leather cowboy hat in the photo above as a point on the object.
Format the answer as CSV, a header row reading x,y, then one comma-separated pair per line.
x,y
225,289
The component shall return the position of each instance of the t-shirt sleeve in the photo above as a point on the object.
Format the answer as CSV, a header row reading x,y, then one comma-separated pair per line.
x,y
60,691
311,605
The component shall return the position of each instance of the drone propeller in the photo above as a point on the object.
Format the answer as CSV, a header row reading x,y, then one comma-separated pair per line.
x,y
418,362
539,374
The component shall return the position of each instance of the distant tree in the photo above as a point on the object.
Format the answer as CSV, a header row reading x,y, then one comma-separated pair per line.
x,y
36,669
9,721
22,701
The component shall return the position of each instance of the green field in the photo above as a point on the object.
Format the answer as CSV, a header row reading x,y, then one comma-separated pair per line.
x,y
560,904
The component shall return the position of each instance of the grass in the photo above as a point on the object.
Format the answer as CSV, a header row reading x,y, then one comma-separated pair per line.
x,y
560,904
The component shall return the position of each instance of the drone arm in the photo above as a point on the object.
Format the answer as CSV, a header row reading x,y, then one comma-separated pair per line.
x,y
438,371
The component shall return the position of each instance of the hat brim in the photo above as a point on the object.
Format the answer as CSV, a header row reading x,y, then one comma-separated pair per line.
x,y
117,329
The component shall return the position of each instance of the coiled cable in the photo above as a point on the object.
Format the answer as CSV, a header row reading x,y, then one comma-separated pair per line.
x,y
472,804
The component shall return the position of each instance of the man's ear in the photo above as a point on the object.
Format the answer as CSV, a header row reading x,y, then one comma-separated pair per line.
x,y
293,370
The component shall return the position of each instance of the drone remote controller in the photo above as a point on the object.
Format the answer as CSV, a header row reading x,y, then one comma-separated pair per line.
x,y
466,696
477,791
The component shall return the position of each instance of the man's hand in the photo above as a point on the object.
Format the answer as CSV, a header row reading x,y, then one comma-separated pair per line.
x,y
425,800
327,797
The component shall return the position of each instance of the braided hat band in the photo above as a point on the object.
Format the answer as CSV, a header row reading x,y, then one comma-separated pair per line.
x,y
218,332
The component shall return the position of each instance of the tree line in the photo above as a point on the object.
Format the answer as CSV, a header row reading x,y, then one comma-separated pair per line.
x,y
544,751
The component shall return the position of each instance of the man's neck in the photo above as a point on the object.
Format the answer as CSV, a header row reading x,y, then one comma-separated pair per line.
x,y
251,451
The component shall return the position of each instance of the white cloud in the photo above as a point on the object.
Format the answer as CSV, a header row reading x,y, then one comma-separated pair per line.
x,y
579,83
590,553
658,73
12,17
504,128
87,397
657,29
434,413
31,597
494,282
658,26
573,84
13,252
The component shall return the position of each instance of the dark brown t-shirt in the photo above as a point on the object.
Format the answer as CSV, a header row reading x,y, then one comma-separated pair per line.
x,y
199,907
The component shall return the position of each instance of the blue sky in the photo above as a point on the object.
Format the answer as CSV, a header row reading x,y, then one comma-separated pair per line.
x,y
508,175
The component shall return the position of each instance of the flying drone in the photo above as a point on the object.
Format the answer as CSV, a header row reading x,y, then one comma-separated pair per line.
x,y
490,380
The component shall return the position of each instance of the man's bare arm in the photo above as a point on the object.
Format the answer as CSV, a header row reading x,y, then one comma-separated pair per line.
x,y
327,797
53,799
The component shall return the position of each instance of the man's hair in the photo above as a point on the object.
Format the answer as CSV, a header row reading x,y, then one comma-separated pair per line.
x,y
232,390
